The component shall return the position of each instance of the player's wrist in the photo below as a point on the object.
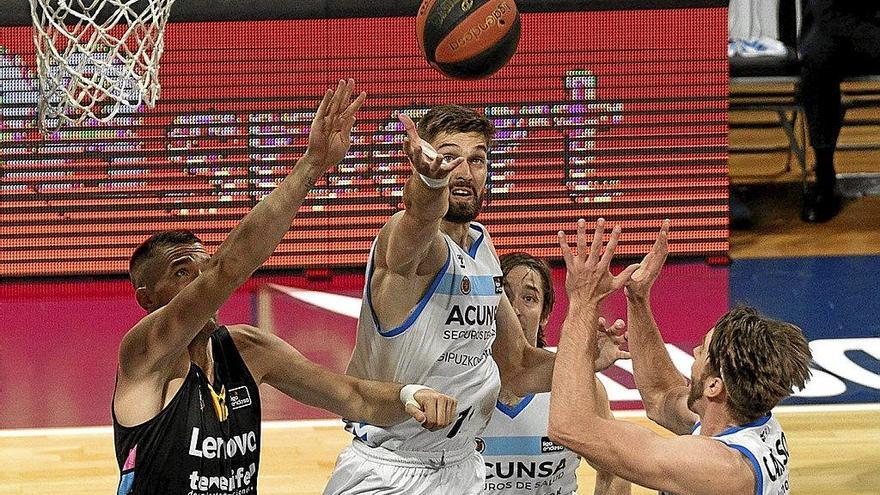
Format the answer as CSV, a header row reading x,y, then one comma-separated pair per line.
x,y
311,163
430,154
408,394
584,302
637,296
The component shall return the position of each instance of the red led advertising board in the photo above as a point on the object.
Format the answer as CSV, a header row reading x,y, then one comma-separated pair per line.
x,y
617,114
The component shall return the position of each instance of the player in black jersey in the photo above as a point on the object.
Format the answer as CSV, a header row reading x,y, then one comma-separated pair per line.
x,y
186,409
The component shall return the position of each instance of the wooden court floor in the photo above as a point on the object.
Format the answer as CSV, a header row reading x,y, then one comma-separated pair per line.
x,y
835,451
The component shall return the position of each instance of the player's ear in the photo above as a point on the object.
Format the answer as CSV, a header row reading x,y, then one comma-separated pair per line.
x,y
713,387
144,298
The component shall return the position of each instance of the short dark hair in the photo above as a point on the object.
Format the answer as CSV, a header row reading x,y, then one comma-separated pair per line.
x,y
510,261
146,249
454,118
760,360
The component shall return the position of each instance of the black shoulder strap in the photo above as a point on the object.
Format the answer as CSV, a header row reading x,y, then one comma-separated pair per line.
x,y
228,365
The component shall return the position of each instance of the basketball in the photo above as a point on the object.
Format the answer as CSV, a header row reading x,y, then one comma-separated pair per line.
x,y
468,39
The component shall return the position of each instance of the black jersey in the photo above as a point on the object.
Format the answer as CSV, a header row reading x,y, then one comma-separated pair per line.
x,y
206,441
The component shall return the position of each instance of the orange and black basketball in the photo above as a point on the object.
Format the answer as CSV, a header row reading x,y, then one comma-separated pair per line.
x,y
468,39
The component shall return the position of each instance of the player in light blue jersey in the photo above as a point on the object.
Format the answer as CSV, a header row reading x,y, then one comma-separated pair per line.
x,y
434,308
520,458
729,443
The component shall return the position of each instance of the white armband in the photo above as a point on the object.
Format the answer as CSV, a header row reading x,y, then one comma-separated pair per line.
x,y
435,183
429,151
431,154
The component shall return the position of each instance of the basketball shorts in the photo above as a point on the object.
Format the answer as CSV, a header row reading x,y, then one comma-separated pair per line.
x,y
361,469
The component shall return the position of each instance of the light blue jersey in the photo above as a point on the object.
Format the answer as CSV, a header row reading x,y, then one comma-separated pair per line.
x,y
445,344
520,458
763,443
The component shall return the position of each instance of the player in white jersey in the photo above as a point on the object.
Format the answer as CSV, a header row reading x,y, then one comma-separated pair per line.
x,y
520,459
434,308
745,365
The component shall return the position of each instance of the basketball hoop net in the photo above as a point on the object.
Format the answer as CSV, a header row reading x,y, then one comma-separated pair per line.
x,y
96,57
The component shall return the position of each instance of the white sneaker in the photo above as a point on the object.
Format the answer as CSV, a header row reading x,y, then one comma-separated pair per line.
x,y
732,48
762,47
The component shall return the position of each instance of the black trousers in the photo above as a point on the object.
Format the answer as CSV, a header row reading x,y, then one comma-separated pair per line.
x,y
842,39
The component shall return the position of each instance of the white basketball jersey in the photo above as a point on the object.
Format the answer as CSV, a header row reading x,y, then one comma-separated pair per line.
x,y
520,458
763,443
445,344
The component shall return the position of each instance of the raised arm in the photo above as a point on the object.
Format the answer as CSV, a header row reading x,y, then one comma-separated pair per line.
x,y
273,361
588,281
663,389
683,465
165,333
412,235
524,369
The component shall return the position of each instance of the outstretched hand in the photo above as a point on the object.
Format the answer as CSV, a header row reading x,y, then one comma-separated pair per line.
x,y
330,134
639,285
424,159
435,410
611,340
588,273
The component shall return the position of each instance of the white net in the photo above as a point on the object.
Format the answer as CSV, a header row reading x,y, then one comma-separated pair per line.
x,y
96,57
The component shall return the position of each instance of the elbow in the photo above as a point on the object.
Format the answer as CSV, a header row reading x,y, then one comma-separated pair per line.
x,y
517,387
557,435
561,430
656,406
526,372
655,417
561,434
570,432
652,402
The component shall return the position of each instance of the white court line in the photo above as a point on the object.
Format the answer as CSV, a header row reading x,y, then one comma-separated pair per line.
x,y
323,423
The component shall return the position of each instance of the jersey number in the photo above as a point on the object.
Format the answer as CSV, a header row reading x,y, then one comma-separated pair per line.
x,y
462,417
